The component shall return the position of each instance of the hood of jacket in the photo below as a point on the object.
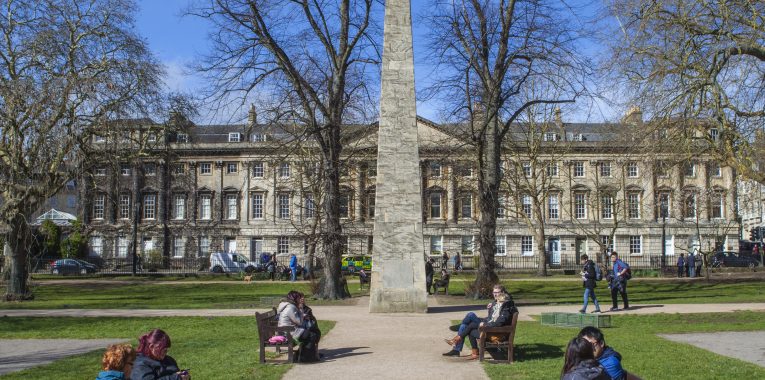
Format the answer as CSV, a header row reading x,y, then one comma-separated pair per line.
x,y
610,353
282,305
110,375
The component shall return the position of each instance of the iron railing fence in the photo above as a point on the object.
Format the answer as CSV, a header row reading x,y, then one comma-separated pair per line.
x,y
201,265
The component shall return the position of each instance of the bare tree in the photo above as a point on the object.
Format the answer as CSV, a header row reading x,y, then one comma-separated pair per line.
x,y
66,67
490,53
700,61
533,153
314,61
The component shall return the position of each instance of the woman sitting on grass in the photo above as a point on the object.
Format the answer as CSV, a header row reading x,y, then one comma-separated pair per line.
x,y
117,362
580,363
293,312
153,362
500,314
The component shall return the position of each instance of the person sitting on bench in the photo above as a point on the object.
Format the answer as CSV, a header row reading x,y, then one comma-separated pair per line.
x,y
294,313
363,278
500,314
443,282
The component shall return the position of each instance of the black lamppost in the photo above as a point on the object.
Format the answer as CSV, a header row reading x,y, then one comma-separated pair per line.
x,y
663,242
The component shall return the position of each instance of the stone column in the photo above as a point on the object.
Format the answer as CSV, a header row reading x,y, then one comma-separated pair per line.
x,y
398,276
359,195
451,195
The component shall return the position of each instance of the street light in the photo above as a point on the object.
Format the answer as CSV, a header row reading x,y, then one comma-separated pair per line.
x,y
663,242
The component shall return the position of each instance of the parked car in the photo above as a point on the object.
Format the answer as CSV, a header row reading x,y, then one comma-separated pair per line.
x,y
71,266
221,262
353,264
735,259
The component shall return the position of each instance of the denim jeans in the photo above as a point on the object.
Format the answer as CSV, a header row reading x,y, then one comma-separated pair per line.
x,y
587,294
469,323
293,274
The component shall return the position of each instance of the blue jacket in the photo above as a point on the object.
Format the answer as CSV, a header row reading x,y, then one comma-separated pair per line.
x,y
680,261
619,265
612,362
146,368
293,262
691,260
110,375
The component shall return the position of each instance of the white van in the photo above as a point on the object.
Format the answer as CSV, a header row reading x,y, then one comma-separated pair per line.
x,y
221,262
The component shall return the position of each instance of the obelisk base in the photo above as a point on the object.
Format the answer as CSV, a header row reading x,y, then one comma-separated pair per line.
x,y
389,291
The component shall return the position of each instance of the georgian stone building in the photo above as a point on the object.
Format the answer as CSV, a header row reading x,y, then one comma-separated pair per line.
x,y
250,188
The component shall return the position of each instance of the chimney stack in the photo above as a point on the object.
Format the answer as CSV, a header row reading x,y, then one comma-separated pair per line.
x,y
633,116
252,116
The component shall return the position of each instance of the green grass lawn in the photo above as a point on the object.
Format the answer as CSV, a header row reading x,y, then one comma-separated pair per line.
x,y
539,349
183,295
643,291
159,295
214,348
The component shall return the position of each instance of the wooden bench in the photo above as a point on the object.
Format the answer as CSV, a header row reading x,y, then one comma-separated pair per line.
x,y
506,336
442,283
267,327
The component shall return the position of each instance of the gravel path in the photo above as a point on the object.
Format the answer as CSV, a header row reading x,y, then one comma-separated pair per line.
x,y
744,345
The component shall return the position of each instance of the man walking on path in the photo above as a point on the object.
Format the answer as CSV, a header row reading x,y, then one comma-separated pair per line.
x,y
293,267
619,281
589,281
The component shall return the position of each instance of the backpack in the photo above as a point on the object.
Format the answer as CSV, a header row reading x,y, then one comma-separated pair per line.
x,y
598,273
627,273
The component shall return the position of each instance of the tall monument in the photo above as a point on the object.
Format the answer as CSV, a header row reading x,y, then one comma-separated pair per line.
x,y
398,270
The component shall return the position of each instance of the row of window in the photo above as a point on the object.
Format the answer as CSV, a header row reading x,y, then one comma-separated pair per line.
x,y
526,244
230,206
607,206
632,169
178,247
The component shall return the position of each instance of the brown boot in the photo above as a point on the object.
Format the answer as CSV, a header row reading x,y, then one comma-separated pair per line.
x,y
453,341
473,354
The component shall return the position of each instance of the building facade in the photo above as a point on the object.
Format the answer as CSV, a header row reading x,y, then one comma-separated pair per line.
x,y
252,189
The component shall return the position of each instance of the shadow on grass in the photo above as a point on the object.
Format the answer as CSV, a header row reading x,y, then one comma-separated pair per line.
x,y
339,353
537,351
636,307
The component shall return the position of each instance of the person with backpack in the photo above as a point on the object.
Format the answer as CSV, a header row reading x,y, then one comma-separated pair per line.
x,y
680,265
618,282
590,276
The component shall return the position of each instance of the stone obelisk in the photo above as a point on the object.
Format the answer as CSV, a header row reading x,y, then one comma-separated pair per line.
x,y
398,270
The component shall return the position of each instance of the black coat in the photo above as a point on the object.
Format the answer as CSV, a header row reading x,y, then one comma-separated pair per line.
x,y
146,368
589,275
505,314
428,269
586,370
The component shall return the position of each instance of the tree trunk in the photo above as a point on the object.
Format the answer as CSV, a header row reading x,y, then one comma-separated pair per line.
x,y
17,249
333,284
488,189
539,236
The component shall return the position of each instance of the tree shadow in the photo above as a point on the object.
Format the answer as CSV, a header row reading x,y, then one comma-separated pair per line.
x,y
537,351
454,308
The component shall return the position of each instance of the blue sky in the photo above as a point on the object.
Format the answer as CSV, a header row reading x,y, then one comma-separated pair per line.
x,y
178,40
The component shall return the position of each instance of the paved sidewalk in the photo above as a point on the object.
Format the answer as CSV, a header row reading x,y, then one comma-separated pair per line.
x,y
18,354
743,345
361,310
